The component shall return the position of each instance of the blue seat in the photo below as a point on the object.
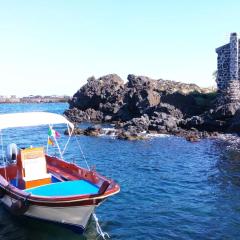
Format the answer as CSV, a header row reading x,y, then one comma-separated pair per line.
x,y
68,188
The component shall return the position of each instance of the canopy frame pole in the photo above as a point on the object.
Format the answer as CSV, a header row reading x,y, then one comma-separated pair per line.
x,y
55,140
70,135
47,140
59,150
3,157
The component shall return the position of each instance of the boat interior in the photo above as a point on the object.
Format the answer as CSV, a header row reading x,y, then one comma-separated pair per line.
x,y
33,171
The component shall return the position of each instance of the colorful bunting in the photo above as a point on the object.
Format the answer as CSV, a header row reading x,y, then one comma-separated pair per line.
x,y
53,133
49,132
50,142
57,134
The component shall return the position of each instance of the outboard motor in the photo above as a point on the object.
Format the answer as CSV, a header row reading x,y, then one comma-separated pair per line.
x,y
12,153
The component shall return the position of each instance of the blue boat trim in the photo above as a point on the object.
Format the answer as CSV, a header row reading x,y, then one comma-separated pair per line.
x,y
67,188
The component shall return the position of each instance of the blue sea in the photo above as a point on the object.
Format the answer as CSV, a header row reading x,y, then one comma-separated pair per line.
x,y
170,188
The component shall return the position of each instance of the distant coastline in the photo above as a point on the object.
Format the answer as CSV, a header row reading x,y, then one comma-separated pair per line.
x,y
33,99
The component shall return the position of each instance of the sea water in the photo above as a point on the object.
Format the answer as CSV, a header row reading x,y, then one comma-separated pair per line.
x,y
170,188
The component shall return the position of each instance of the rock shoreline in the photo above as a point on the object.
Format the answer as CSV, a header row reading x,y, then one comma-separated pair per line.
x,y
146,105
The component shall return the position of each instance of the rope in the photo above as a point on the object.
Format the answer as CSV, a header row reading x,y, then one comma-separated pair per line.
x,y
99,229
79,146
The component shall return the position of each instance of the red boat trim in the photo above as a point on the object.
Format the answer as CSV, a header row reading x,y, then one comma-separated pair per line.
x,y
69,171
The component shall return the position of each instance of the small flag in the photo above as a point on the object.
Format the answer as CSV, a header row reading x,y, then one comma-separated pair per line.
x,y
50,132
50,141
53,133
57,134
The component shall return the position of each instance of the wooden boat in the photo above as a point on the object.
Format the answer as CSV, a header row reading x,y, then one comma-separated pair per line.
x,y
37,185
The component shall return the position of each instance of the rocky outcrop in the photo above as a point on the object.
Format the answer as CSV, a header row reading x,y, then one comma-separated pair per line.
x,y
234,123
89,115
164,123
140,95
137,124
76,131
109,99
98,92
93,131
129,135
143,104
205,123
226,110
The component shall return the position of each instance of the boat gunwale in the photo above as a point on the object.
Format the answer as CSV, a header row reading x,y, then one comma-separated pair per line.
x,y
19,194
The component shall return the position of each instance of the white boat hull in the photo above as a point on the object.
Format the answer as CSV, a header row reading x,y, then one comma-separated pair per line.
x,y
74,217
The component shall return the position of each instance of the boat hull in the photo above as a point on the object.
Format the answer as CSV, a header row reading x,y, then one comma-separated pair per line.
x,y
73,217
55,202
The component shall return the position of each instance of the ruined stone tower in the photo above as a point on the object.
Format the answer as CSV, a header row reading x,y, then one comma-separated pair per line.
x,y
228,74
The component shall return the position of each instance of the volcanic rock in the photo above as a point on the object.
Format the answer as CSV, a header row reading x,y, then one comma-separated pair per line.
x,y
102,90
89,115
143,104
226,110
140,94
234,123
138,124
93,131
127,135
76,131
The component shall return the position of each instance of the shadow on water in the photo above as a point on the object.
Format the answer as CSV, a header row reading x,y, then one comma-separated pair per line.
x,y
21,228
225,188
228,163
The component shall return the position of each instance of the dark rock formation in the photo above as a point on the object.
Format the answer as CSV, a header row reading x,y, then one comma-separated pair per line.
x,y
140,94
234,123
226,111
185,103
129,135
98,94
76,131
165,108
89,114
163,122
93,131
143,104
137,124
205,123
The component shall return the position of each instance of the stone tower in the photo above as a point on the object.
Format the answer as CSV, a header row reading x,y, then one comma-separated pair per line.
x,y
228,74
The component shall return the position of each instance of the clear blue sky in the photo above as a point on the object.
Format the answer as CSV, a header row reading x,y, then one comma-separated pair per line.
x,y
53,46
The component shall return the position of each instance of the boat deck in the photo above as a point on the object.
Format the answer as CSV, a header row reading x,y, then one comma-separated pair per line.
x,y
67,188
